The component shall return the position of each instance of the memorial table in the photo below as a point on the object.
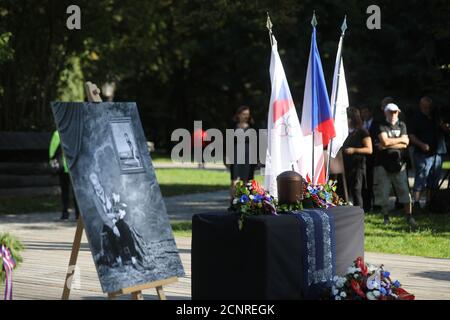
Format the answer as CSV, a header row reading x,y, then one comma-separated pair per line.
x,y
264,260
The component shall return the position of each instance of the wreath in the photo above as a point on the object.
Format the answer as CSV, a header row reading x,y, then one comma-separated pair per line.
x,y
13,247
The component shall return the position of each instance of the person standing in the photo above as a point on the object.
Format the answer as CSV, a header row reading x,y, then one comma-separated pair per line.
x,y
355,148
379,118
368,124
242,171
390,167
427,135
58,162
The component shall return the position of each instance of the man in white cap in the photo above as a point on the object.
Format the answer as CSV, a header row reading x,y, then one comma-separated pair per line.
x,y
390,165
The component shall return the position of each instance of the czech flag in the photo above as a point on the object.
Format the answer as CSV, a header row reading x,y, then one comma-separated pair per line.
x,y
316,116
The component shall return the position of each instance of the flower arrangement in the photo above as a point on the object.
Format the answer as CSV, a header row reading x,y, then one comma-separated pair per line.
x,y
9,260
251,199
367,282
323,196
14,247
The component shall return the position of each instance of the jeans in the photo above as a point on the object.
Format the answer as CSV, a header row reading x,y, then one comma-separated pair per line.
x,y
428,171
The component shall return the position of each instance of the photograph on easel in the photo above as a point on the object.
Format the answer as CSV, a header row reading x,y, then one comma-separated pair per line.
x,y
125,145
124,214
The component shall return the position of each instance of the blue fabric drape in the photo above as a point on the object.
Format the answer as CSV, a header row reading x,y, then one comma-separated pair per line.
x,y
319,251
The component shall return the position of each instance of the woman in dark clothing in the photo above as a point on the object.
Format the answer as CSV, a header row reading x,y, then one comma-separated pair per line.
x,y
357,145
242,170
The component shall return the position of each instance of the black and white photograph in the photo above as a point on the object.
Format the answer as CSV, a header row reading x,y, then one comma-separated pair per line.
x,y
127,152
124,215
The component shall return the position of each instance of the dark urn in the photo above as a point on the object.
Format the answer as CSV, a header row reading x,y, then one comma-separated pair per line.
x,y
290,187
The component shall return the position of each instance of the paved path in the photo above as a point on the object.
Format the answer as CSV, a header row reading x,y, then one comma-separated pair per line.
x,y
185,206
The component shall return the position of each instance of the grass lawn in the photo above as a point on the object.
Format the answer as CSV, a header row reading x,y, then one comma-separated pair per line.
x,y
160,157
431,239
175,182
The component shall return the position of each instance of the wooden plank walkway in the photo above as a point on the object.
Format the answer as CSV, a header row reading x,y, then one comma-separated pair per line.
x,y
48,243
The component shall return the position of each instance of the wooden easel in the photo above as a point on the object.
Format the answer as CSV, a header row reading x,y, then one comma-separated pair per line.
x,y
93,95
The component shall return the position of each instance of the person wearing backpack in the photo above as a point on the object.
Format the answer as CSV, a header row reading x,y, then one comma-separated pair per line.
x,y
59,166
390,164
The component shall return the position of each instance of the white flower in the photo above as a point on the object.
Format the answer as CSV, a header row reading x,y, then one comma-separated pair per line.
x,y
339,281
252,197
371,296
355,276
372,268
351,270
376,293
116,197
338,298
334,291
235,200
343,295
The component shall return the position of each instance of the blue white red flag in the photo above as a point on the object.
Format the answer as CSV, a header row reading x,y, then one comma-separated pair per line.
x,y
316,116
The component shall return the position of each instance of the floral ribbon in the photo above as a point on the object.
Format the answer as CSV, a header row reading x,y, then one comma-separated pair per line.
x,y
8,265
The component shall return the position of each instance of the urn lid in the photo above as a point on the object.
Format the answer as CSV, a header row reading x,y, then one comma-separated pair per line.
x,y
290,176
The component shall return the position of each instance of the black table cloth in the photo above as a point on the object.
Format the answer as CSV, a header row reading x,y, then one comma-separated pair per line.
x,y
264,259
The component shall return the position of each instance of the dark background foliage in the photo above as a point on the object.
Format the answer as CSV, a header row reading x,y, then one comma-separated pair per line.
x,y
184,60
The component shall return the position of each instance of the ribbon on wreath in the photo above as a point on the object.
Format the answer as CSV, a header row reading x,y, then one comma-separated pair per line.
x,y
8,266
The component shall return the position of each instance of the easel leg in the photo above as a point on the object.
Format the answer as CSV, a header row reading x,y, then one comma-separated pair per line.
x,y
345,187
73,259
160,292
137,295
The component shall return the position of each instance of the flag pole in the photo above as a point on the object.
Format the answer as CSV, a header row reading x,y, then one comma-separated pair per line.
x,y
314,24
330,146
269,26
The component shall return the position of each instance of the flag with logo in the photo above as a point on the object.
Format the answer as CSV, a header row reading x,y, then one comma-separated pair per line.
x,y
285,138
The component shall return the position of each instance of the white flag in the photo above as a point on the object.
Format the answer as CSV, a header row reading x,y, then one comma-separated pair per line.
x,y
339,96
285,138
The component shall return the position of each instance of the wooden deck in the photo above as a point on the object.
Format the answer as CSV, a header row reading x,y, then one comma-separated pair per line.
x,y
48,244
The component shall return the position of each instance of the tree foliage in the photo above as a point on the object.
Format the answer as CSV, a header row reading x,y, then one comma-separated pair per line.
x,y
189,60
